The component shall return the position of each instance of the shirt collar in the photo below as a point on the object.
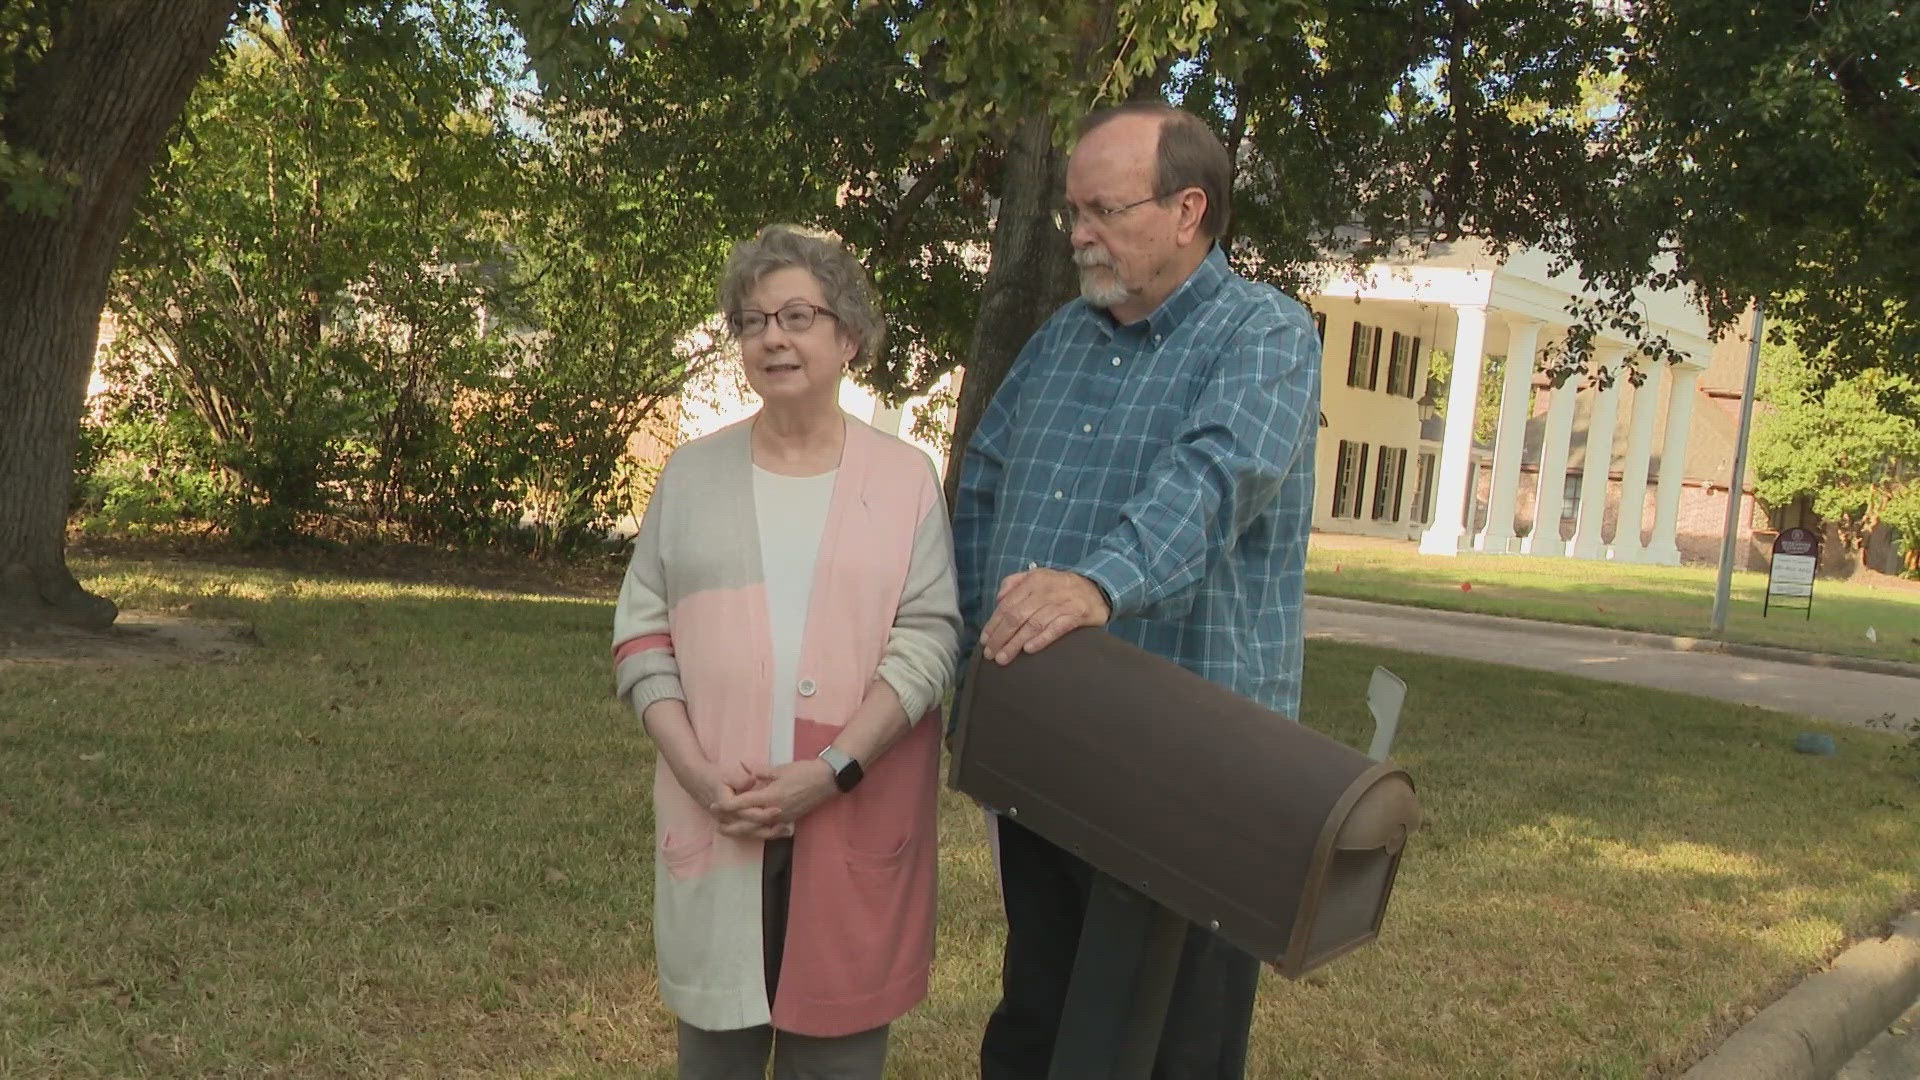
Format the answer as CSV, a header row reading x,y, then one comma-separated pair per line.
x,y
1199,287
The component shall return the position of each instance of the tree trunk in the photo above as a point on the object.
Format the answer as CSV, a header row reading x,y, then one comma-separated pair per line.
x,y
1030,275
98,106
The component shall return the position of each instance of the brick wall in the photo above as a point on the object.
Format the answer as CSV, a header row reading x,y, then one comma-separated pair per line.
x,y
1702,514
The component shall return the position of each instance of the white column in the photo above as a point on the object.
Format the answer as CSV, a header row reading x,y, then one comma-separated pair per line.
x,y
1663,548
1448,532
1522,340
1633,475
1587,543
1551,490
885,417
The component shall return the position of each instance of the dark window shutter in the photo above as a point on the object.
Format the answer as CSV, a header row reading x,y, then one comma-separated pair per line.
x,y
1400,482
1360,481
1340,479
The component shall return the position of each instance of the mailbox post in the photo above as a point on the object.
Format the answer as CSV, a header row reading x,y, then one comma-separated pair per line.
x,y
1196,806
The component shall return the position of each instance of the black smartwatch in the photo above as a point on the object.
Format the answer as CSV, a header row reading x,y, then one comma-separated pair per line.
x,y
846,771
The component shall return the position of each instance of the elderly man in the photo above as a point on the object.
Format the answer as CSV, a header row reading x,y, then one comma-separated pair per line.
x,y
1147,466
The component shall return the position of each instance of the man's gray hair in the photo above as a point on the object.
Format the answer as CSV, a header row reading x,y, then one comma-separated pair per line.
x,y
1190,155
843,280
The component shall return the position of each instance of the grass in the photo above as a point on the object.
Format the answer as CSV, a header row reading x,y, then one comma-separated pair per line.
x,y
410,838
1660,599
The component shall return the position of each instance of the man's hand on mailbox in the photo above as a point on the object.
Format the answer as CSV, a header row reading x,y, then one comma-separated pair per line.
x,y
1036,608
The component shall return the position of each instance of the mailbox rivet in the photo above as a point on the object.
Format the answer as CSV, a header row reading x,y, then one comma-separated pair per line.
x,y
1013,811
1214,926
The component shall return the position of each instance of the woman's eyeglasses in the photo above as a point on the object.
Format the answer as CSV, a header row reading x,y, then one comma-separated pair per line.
x,y
793,318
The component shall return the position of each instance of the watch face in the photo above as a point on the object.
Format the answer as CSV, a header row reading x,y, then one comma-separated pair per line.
x,y
847,777
846,771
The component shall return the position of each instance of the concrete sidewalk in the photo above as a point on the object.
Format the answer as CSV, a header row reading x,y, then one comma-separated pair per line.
x,y
1841,1023
1863,692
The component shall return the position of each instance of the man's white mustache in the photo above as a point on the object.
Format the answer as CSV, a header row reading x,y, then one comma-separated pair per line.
x,y
1089,257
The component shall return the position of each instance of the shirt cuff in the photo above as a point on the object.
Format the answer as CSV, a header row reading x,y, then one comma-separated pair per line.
x,y
1123,585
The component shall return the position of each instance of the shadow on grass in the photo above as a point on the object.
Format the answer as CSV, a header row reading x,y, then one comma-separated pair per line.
x,y
1624,868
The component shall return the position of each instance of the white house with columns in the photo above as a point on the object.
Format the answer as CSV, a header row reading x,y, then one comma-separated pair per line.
x,y
1379,476
1386,468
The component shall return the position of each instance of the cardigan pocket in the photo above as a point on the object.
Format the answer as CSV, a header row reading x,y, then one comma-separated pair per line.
x,y
686,852
877,869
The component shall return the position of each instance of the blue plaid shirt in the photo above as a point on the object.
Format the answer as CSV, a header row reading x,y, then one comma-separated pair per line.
x,y
1169,461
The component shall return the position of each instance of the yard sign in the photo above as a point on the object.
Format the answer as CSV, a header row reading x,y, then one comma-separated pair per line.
x,y
1795,553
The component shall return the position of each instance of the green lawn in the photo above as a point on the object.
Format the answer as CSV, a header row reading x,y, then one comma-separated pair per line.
x,y
1661,599
409,837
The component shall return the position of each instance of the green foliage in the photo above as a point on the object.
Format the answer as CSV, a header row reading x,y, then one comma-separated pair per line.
x,y
386,279
1852,446
1486,411
28,185
305,269
1686,143
1776,151
376,280
146,464
751,117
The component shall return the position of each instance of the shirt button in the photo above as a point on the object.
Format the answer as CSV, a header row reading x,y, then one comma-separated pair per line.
x,y
1033,566
1116,361
1059,494
807,687
1088,428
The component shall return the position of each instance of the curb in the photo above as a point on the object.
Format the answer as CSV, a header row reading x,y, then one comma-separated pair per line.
x,y
1810,1033
1617,637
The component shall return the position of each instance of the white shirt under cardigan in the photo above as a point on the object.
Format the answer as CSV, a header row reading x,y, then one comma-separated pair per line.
x,y
793,516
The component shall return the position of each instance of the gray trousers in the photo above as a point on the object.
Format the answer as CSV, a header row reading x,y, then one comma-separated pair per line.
x,y
742,1054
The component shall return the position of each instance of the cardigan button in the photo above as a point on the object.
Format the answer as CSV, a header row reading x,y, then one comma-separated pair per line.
x,y
807,687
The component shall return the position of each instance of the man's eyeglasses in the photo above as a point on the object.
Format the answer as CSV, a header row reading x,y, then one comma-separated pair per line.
x,y
794,318
1066,216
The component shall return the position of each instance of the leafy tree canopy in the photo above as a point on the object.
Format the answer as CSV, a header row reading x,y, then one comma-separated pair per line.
x,y
1850,446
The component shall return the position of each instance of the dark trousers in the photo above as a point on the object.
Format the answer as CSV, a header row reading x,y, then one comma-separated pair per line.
x,y
1046,890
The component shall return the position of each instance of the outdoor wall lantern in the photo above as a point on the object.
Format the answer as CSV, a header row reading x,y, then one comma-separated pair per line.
x,y
1429,402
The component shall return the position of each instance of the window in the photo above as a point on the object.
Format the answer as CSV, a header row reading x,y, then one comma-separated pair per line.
x,y
1570,498
1388,474
1349,479
1402,364
1797,514
1423,488
1363,357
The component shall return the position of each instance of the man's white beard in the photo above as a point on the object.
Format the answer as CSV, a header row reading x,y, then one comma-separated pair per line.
x,y
1100,290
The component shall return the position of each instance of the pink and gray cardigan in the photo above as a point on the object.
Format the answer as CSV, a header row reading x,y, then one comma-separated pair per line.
x,y
692,624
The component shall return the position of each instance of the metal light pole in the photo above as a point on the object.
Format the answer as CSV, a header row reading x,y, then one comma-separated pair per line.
x,y
1732,532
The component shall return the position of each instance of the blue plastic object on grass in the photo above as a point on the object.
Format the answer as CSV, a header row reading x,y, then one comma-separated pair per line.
x,y
1814,742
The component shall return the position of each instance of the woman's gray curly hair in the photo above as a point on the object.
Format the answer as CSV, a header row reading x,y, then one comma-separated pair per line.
x,y
849,292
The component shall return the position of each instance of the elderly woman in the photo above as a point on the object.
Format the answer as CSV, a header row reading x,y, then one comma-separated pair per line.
x,y
786,631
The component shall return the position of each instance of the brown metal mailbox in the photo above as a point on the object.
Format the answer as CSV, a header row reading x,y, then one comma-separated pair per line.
x,y
1282,840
